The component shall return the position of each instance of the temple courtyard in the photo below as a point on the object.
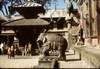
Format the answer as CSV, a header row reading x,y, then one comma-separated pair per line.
x,y
72,61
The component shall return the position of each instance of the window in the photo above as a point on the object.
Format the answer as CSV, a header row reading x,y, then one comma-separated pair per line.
x,y
51,25
60,24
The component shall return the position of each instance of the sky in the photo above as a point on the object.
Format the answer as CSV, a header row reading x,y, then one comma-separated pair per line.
x,y
62,4
59,4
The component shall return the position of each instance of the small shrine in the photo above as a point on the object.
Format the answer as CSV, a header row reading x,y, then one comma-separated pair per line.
x,y
29,9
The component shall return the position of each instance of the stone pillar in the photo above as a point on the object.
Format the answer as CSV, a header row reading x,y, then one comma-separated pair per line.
x,y
7,40
87,41
65,27
66,31
87,15
69,34
98,21
90,22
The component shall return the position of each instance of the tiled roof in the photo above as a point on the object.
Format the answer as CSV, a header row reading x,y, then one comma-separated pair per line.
x,y
29,9
29,4
4,19
26,22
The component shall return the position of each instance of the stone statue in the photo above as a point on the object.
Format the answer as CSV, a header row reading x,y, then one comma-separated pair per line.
x,y
69,10
54,45
69,7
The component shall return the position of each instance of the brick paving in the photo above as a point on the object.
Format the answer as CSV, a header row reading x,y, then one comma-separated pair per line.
x,y
72,61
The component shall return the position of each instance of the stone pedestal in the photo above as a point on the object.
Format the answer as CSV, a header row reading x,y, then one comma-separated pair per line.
x,y
69,34
87,42
48,63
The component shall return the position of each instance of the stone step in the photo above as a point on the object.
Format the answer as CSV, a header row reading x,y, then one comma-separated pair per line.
x,y
88,54
48,64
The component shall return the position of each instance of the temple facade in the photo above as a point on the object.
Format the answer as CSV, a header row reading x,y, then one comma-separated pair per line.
x,y
56,18
89,20
22,30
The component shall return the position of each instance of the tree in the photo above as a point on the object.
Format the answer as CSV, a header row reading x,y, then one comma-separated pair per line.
x,y
1,6
3,3
15,2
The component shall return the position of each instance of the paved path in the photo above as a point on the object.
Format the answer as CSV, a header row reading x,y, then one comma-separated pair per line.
x,y
19,62
72,61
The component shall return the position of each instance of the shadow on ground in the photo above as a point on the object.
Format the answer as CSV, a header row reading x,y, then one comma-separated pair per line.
x,y
68,60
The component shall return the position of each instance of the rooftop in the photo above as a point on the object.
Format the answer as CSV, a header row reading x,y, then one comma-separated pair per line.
x,y
29,9
29,4
54,13
26,22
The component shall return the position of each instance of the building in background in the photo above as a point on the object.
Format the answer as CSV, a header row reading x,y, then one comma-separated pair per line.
x,y
89,20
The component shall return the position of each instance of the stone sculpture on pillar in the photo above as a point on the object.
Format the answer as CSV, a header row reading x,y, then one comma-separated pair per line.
x,y
69,21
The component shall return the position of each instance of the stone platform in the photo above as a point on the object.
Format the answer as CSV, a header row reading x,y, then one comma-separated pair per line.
x,y
88,54
48,63
72,61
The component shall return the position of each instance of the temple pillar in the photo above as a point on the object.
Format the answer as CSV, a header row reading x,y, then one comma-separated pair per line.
x,y
7,40
69,34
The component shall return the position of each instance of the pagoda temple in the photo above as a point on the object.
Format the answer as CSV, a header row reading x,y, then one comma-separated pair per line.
x,y
28,28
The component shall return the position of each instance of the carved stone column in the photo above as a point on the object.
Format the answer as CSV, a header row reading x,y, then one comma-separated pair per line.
x,y
69,33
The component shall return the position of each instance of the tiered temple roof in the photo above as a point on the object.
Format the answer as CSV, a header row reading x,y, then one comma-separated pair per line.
x,y
27,22
29,9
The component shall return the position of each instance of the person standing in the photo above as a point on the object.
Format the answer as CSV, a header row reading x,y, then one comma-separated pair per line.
x,y
9,53
26,50
30,49
2,48
12,52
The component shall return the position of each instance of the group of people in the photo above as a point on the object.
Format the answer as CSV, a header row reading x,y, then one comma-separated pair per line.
x,y
11,52
14,49
28,50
